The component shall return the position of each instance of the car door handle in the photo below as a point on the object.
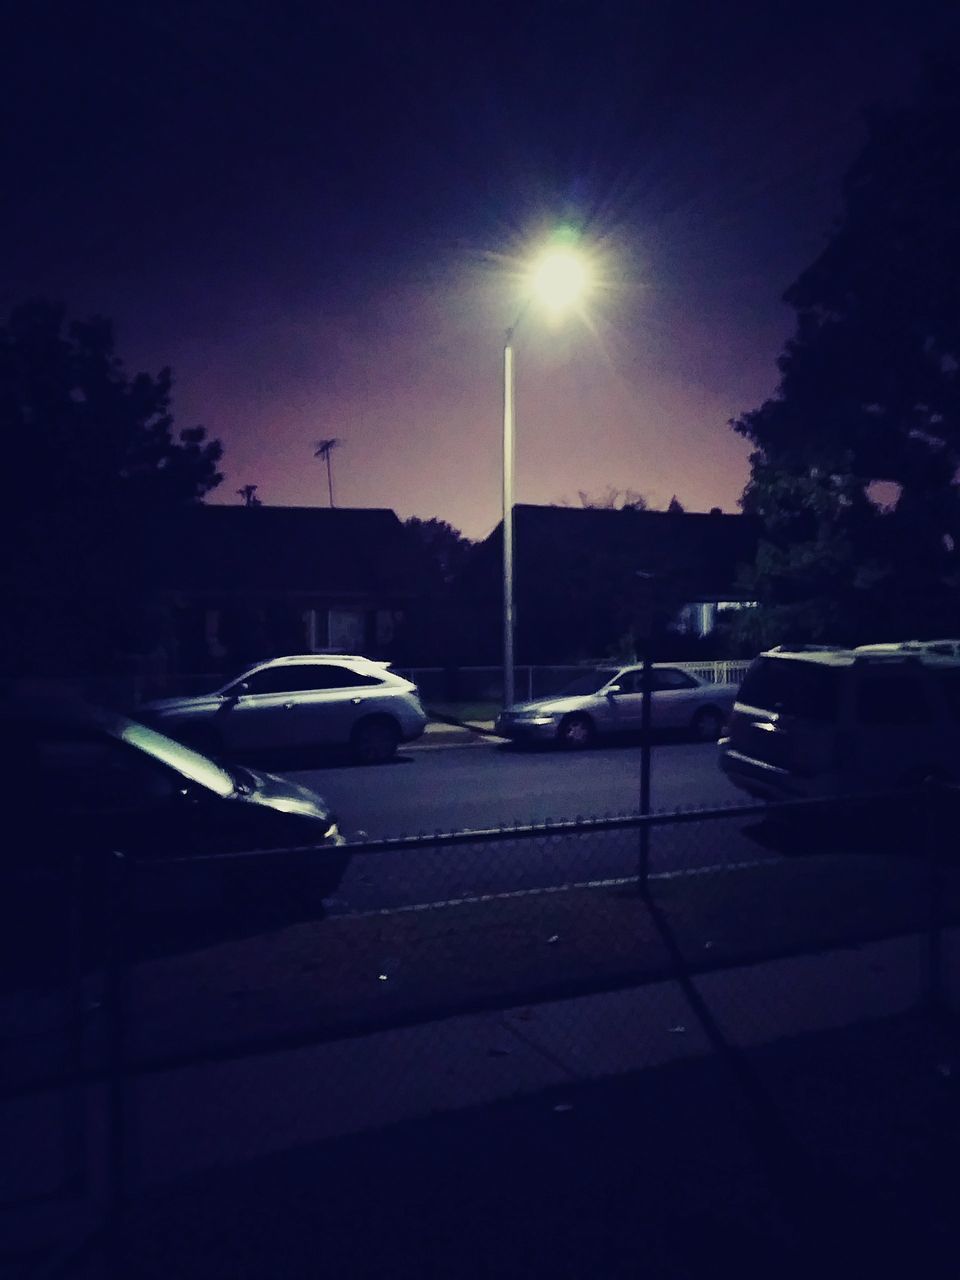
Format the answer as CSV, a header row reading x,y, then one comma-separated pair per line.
x,y
355,701
288,706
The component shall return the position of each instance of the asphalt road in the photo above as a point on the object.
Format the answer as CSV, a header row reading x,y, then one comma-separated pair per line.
x,y
481,786
489,786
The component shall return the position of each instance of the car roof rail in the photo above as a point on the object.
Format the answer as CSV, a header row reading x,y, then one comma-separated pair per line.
x,y
808,648
888,659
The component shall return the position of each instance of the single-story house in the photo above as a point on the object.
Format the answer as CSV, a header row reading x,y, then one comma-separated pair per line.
x,y
584,577
234,584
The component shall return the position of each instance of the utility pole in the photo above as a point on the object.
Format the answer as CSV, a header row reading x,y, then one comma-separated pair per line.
x,y
649,581
323,449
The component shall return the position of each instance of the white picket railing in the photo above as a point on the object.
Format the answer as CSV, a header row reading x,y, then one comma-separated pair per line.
x,y
484,683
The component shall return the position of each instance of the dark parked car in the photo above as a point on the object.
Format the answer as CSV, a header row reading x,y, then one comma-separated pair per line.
x,y
92,781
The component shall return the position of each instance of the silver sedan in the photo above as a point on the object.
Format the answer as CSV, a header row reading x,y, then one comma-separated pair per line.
x,y
609,700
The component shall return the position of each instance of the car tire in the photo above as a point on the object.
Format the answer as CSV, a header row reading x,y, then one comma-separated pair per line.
x,y
576,732
375,740
707,724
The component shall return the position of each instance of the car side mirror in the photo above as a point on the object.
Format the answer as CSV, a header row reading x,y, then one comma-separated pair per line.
x,y
236,691
613,689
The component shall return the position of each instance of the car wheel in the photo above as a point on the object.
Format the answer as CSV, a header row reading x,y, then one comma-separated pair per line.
x,y
707,724
375,740
576,732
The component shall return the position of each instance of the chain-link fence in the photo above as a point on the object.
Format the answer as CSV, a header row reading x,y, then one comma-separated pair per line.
x,y
436,684
149,1003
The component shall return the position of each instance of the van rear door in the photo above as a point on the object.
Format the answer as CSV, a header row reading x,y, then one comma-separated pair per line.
x,y
898,733
786,715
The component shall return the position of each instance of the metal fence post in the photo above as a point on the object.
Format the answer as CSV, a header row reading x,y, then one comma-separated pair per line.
x,y
933,802
118,901
74,1017
643,870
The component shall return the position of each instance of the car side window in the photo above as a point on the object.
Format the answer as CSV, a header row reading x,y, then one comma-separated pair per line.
x,y
329,676
307,678
891,700
273,680
628,681
671,678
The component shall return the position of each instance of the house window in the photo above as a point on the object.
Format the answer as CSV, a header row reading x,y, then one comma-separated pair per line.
x,y
346,630
386,625
315,629
335,630
212,634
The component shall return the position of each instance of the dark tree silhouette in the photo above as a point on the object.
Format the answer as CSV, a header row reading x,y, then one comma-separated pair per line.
x,y
676,506
92,464
613,499
248,495
870,393
443,548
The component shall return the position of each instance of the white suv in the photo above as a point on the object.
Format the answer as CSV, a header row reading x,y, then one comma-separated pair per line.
x,y
300,701
828,721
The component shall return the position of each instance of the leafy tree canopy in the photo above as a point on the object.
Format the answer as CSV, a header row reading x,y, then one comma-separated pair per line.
x,y
80,430
869,393
92,463
612,499
444,548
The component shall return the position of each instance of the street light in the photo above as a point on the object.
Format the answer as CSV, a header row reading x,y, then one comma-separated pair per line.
x,y
558,279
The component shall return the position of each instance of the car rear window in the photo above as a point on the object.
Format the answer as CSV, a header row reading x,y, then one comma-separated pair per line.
x,y
806,689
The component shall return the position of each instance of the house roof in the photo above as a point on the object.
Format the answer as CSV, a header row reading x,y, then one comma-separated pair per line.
x,y
701,552
347,550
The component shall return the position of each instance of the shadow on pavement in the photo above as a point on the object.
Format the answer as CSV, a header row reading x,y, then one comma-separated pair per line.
x,y
651,1175
860,829
620,741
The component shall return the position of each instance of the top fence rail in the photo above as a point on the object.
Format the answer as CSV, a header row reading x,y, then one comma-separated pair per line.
x,y
482,683
436,684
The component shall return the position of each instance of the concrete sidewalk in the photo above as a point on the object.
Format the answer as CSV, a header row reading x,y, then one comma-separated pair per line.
x,y
643,1084
440,733
224,1111
661,1174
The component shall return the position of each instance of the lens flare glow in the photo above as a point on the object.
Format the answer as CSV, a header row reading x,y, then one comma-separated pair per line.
x,y
559,279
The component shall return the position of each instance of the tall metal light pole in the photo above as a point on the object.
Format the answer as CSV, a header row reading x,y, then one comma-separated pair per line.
x,y
558,278
508,460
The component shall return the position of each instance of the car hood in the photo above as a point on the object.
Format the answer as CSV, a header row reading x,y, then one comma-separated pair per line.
x,y
551,706
273,792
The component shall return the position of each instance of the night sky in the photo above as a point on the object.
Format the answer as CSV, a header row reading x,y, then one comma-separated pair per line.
x,y
316,215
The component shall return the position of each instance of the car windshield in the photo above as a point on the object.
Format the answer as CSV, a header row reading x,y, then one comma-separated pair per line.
x,y
589,682
190,764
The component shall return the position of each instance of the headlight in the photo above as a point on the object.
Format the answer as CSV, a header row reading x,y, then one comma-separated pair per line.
x,y
539,719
